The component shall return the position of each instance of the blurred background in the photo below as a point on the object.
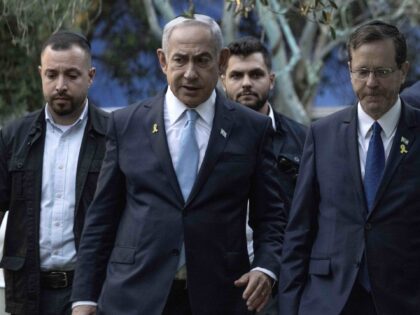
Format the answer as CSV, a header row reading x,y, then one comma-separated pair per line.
x,y
306,37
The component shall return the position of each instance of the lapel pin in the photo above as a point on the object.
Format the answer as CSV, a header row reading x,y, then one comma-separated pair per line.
x,y
403,149
223,133
404,140
155,128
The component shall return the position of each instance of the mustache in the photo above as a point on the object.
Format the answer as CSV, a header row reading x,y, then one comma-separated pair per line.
x,y
245,93
62,96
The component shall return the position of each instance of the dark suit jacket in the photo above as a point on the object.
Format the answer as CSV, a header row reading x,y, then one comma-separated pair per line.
x,y
21,156
288,145
328,230
138,220
411,95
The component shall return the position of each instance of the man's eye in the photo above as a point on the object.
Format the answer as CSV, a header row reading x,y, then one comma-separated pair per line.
x,y
235,76
382,72
363,73
178,60
50,75
204,61
256,75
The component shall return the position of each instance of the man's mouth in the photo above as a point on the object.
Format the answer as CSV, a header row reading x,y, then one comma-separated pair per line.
x,y
190,88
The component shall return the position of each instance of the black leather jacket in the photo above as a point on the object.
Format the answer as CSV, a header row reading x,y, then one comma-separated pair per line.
x,y
21,156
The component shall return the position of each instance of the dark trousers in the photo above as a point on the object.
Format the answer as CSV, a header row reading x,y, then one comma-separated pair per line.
x,y
359,302
178,302
55,301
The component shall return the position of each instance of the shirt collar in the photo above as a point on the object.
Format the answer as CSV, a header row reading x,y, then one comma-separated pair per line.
x,y
271,115
388,121
175,108
82,116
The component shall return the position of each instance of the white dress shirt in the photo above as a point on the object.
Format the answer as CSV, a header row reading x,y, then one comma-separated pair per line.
x,y
174,116
388,122
61,155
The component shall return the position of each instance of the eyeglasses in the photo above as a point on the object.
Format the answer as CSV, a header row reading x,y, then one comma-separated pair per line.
x,y
379,73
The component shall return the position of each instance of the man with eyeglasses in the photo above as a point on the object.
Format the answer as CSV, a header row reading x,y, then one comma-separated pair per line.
x,y
352,244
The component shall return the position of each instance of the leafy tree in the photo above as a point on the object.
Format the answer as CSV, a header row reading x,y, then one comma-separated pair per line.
x,y
24,25
303,35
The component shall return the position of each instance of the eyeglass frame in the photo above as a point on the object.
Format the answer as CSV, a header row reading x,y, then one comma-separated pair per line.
x,y
376,73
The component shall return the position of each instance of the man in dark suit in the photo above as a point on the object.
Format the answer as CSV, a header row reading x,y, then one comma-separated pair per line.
x,y
49,164
352,244
248,79
166,231
411,95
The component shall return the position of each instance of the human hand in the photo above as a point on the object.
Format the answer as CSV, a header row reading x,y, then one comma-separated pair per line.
x,y
257,291
84,310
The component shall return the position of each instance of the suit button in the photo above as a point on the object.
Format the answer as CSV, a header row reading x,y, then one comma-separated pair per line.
x,y
358,264
368,226
175,252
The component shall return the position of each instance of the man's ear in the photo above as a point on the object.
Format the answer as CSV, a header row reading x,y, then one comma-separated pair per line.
x,y
223,60
223,80
404,69
162,60
272,80
39,70
92,72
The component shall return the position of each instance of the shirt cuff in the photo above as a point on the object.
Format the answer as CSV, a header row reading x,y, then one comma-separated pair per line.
x,y
80,303
267,272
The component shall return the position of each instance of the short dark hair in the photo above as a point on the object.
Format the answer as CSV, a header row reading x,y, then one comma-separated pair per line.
x,y
249,45
63,40
378,30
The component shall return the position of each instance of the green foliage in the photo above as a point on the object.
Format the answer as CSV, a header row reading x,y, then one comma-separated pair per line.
x,y
24,25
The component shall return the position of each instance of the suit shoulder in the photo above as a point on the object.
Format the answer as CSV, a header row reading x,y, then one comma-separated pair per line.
x,y
336,118
132,109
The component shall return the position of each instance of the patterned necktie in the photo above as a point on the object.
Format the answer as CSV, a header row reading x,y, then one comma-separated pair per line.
x,y
375,163
186,169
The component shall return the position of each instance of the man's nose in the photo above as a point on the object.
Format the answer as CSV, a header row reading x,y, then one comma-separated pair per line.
x,y
190,71
246,81
371,79
61,84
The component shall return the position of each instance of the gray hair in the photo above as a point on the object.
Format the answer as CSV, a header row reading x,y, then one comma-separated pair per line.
x,y
197,19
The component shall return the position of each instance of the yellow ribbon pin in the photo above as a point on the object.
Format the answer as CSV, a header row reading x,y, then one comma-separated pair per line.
x,y
403,149
155,128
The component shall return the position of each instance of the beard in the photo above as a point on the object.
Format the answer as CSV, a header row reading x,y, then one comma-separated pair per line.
x,y
64,105
257,103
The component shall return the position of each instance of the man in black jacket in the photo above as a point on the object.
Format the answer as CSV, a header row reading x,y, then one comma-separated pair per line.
x,y
49,165
248,79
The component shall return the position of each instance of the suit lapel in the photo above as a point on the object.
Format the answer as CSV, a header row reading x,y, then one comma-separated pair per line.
x,y
351,137
155,130
403,136
222,125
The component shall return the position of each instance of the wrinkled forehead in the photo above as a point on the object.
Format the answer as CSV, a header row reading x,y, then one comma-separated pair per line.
x,y
192,38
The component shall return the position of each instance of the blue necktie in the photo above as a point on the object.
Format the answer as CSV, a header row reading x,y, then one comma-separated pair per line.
x,y
375,164
374,167
186,168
